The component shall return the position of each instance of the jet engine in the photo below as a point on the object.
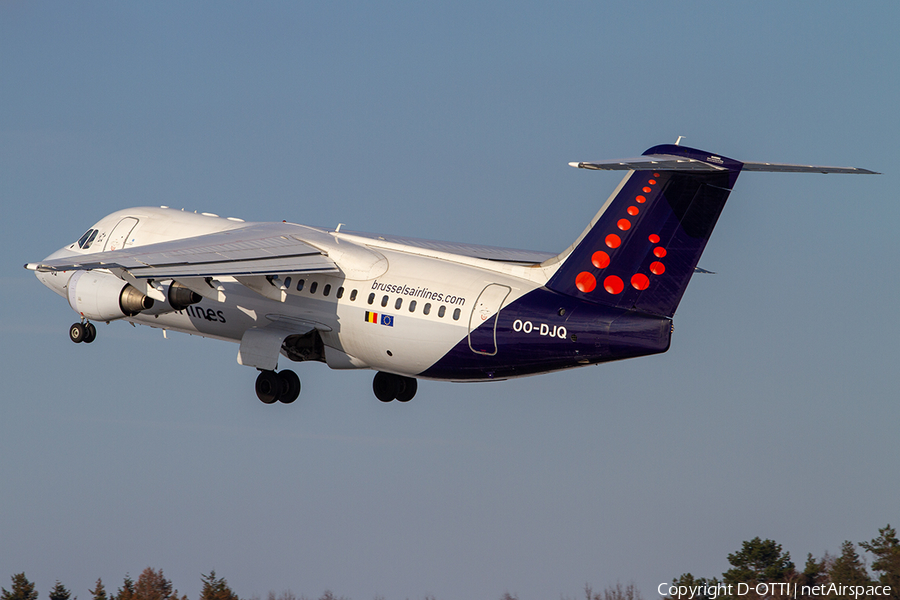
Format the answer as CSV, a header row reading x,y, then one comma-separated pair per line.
x,y
104,297
180,296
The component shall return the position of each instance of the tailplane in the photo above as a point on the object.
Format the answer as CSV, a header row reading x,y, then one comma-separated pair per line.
x,y
642,247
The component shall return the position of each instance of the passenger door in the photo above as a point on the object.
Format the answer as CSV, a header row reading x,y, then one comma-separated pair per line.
x,y
483,319
119,235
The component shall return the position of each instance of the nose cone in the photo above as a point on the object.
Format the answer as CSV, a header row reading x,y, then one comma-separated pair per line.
x,y
55,280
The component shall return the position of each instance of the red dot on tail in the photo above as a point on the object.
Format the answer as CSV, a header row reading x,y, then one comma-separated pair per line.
x,y
624,224
613,285
647,190
654,239
641,199
600,259
652,182
656,174
613,241
659,252
657,268
632,210
585,282
640,281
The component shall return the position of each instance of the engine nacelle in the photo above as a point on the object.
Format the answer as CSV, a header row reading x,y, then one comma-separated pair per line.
x,y
180,297
105,297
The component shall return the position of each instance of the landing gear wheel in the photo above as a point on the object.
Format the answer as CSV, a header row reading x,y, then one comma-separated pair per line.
x,y
408,387
385,386
77,333
388,386
290,386
90,333
268,386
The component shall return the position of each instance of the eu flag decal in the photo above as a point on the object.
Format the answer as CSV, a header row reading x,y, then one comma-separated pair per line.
x,y
374,317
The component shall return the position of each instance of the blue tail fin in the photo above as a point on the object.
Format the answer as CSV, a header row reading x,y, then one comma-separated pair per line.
x,y
644,244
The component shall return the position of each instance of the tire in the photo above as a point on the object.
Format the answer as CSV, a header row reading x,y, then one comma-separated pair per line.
x,y
290,386
385,386
268,387
77,333
90,333
408,387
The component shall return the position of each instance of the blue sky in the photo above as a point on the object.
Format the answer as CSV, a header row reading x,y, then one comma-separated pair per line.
x,y
774,413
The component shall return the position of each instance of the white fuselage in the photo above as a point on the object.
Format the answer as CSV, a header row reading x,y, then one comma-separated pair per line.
x,y
420,302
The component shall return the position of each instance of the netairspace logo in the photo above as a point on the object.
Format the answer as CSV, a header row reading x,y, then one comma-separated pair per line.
x,y
784,590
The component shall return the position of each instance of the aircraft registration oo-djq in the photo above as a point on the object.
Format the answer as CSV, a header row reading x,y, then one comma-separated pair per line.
x,y
410,308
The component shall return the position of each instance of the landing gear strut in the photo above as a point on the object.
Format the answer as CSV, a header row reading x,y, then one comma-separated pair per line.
x,y
83,332
272,387
388,386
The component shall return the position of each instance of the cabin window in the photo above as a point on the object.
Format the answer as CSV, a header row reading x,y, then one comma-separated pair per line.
x,y
313,286
371,298
384,301
287,282
427,308
340,293
456,313
327,289
412,306
353,296
300,285
398,303
442,311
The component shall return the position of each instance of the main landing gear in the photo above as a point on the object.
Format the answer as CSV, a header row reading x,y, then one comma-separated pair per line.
x,y
83,332
272,387
284,387
388,386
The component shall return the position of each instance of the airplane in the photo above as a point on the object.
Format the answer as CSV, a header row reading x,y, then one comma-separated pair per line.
x,y
410,308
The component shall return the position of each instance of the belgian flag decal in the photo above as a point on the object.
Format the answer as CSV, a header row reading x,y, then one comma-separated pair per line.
x,y
382,319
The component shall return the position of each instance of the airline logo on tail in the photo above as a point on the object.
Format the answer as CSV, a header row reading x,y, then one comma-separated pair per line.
x,y
586,281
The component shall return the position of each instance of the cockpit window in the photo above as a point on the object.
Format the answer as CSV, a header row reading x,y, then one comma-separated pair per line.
x,y
85,241
90,240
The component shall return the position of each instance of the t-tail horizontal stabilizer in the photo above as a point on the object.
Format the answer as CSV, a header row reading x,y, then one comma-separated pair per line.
x,y
644,244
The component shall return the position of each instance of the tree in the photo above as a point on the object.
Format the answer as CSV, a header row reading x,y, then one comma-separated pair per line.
x,y
60,592
216,588
153,585
814,572
126,592
760,561
629,592
886,548
688,581
848,568
22,589
99,592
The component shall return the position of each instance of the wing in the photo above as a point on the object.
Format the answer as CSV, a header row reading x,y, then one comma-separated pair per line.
x,y
260,249
470,250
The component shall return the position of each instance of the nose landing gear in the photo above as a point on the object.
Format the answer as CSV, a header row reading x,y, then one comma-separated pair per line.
x,y
83,332
272,387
